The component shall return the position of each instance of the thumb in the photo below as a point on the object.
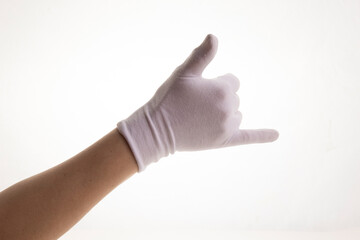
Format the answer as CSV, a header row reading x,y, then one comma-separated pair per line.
x,y
200,57
249,136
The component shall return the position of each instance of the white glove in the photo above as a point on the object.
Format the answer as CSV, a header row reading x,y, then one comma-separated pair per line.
x,y
189,113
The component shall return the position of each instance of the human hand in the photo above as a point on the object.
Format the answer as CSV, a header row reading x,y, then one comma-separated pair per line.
x,y
189,113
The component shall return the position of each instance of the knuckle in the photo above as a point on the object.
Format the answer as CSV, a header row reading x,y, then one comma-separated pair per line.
x,y
231,76
222,131
225,131
233,81
220,93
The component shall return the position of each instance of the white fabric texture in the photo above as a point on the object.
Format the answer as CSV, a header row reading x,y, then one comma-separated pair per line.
x,y
190,113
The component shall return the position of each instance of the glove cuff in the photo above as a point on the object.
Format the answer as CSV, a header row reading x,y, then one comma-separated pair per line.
x,y
147,135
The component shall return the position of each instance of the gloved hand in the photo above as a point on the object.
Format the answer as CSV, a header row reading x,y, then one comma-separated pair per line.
x,y
189,113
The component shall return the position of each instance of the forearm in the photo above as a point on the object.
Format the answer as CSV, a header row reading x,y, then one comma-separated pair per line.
x,y
30,209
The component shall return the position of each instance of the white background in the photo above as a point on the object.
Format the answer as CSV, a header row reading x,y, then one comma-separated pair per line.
x,y
70,70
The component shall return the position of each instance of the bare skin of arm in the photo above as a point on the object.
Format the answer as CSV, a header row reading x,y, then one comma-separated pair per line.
x,y
48,204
